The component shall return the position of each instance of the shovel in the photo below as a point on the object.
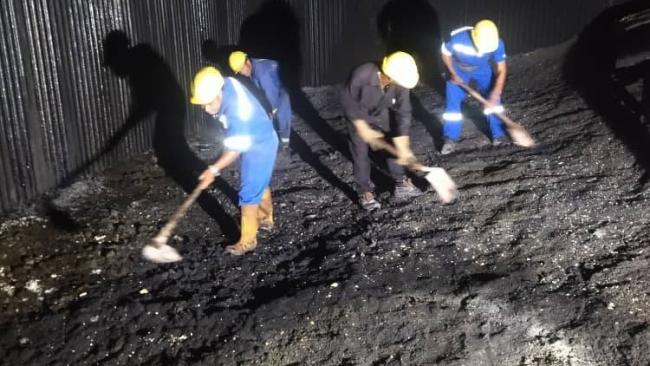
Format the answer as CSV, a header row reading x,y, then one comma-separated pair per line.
x,y
158,251
437,177
517,132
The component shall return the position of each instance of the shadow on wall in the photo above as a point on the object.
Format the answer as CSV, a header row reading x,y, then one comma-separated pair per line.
x,y
218,55
155,90
591,67
273,32
412,26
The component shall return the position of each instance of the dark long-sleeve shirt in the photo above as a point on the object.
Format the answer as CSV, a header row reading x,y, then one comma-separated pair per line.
x,y
363,98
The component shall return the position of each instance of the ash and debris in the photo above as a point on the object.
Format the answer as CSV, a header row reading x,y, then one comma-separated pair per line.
x,y
543,261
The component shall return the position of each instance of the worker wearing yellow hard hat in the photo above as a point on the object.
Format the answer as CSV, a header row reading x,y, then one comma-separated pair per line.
x,y
249,137
264,73
474,55
370,93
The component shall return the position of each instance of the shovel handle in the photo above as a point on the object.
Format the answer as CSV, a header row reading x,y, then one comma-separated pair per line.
x,y
166,230
522,137
384,145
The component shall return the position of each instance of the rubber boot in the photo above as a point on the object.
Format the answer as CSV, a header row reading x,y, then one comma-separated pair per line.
x,y
265,212
249,225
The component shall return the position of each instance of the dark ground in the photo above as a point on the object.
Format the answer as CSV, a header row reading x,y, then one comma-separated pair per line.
x,y
543,261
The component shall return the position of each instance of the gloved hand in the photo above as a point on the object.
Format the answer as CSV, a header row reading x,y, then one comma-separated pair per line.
x,y
368,134
404,154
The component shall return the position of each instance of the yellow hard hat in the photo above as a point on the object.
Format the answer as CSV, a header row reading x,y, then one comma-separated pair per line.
x,y
485,36
206,85
236,60
401,67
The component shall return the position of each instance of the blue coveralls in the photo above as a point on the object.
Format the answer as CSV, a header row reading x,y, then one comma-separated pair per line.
x,y
470,65
266,76
249,130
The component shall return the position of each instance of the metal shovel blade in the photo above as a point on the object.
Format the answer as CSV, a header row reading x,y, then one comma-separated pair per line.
x,y
163,254
521,137
442,184
159,252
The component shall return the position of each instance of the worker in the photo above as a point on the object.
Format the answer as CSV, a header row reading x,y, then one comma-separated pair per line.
x,y
265,74
250,137
472,55
370,93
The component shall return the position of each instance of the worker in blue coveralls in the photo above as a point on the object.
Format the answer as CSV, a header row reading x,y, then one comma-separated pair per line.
x,y
266,76
474,55
249,136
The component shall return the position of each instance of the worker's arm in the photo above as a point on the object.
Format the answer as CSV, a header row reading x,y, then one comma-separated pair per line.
x,y
403,111
207,177
448,60
500,75
238,138
499,83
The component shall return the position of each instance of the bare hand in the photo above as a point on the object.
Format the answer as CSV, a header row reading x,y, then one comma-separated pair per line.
x,y
367,133
407,160
494,100
405,156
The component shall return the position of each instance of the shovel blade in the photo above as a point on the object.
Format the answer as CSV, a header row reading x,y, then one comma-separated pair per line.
x,y
520,136
442,184
161,253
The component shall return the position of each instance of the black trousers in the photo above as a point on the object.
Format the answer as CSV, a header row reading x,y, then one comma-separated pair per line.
x,y
361,160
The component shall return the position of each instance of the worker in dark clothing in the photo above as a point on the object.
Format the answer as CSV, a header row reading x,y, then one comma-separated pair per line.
x,y
370,93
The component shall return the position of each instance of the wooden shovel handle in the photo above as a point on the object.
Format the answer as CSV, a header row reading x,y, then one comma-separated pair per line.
x,y
384,145
169,227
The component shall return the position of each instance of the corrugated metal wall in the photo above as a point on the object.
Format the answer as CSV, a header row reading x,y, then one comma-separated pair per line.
x,y
60,105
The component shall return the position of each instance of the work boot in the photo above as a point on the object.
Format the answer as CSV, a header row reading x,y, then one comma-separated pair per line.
x,y
249,225
448,147
368,201
406,189
265,211
500,141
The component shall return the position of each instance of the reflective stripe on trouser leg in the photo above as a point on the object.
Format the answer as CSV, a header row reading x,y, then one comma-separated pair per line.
x,y
453,118
484,82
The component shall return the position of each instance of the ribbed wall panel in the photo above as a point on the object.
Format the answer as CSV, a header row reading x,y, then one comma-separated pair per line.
x,y
60,105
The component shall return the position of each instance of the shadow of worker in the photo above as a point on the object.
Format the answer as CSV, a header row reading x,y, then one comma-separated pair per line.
x,y
590,66
156,90
412,26
272,32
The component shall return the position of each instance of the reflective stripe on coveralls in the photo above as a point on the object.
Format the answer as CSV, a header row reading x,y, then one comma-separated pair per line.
x,y
249,131
471,66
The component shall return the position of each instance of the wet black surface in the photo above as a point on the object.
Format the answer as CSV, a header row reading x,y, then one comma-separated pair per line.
x,y
543,261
